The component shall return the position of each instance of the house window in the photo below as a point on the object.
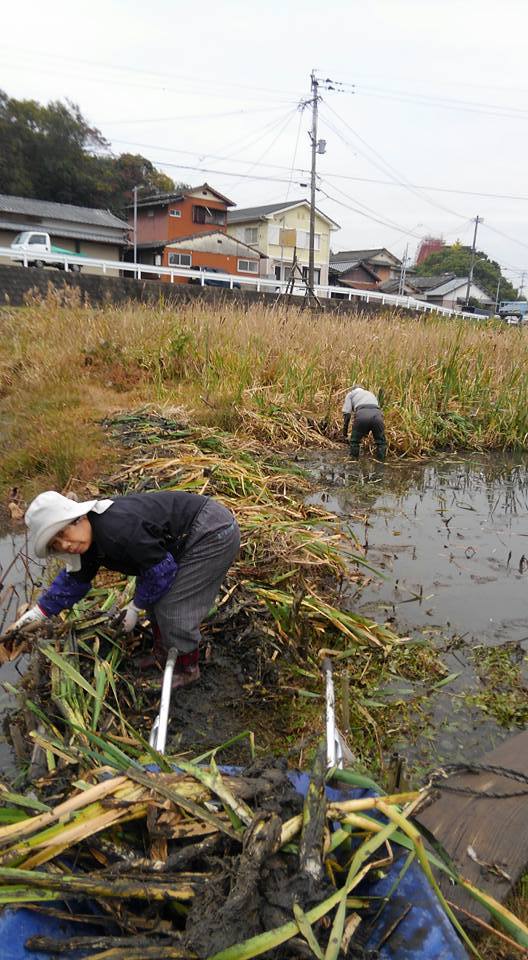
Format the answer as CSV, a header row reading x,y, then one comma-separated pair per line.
x,y
180,260
248,266
251,235
277,271
303,239
174,213
202,214
274,233
317,274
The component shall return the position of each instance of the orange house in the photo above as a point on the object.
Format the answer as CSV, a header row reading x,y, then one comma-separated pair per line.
x,y
164,217
215,252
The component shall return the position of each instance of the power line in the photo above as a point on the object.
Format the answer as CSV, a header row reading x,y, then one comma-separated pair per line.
x,y
292,168
75,61
378,216
505,235
222,173
427,186
253,137
282,129
384,223
445,103
191,116
393,173
304,171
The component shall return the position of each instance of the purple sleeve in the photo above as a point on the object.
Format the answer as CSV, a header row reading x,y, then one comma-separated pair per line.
x,y
154,582
62,594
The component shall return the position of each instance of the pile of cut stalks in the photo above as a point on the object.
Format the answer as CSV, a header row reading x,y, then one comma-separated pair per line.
x,y
177,856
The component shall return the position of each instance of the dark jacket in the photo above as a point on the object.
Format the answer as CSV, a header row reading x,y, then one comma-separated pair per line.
x,y
143,535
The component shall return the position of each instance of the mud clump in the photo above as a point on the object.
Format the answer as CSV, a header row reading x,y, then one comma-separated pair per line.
x,y
254,890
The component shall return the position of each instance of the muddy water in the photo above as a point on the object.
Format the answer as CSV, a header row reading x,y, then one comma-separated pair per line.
x,y
451,538
17,573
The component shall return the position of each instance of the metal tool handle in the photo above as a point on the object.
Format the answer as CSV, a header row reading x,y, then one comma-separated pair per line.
x,y
334,747
158,735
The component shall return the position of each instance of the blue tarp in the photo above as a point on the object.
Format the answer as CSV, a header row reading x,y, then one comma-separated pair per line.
x,y
411,926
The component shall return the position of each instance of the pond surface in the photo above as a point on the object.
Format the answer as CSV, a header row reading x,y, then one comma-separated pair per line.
x,y
451,538
17,573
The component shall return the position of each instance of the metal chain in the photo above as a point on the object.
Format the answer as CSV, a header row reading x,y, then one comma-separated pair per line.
x,y
438,775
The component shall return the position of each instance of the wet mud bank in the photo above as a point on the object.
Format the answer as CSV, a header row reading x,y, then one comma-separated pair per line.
x,y
449,538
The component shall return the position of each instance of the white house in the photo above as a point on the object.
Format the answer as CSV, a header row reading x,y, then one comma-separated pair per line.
x,y
279,229
450,291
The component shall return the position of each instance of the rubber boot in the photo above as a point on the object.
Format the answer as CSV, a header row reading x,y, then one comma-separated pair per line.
x,y
354,450
158,655
381,451
187,669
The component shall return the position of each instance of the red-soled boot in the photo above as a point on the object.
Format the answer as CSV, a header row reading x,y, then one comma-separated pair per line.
x,y
187,669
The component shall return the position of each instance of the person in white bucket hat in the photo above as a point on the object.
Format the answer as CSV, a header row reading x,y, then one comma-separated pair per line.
x,y
178,545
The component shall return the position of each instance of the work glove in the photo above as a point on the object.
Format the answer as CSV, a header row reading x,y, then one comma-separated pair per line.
x,y
33,615
131,617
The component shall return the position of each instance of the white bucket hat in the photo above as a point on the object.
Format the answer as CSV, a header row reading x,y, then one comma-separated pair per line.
x,y
50,512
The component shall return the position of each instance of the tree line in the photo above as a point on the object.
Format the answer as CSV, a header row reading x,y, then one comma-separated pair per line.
x,y
52,153
456,259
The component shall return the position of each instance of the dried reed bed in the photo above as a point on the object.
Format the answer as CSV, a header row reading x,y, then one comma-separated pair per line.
x,y
443,383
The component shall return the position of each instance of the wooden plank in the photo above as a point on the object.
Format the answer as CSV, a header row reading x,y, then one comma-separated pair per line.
x,y
496,829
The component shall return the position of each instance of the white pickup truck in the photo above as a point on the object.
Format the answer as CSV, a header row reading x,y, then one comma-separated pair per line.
x,y
31,246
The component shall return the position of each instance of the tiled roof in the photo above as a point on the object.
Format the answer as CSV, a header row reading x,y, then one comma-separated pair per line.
x,y
246,214
393,286
450,284
161,199
343,266
431,283
347,265
361,255
257,213
196,237
45,209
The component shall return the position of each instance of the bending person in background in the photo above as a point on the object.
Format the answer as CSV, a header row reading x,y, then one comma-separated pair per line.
x,y
178,545
368,418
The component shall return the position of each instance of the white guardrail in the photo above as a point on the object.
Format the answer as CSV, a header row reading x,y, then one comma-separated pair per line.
x,y
234,281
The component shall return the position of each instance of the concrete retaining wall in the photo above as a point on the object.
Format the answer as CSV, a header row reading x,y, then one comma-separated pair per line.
x,y
17,284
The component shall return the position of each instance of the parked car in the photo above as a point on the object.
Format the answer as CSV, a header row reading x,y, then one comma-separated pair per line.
x,y
31,245
514,309
211,281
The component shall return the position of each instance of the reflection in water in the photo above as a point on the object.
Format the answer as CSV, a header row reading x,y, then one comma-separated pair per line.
x,y
451,538
452,535
18,574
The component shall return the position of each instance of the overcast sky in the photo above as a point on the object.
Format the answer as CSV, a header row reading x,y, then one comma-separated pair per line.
x,y
434,95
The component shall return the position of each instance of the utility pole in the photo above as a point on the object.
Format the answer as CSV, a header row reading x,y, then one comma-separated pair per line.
x,y
313,136
135,192
521,288
403,272
497,294
318,146
472,261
